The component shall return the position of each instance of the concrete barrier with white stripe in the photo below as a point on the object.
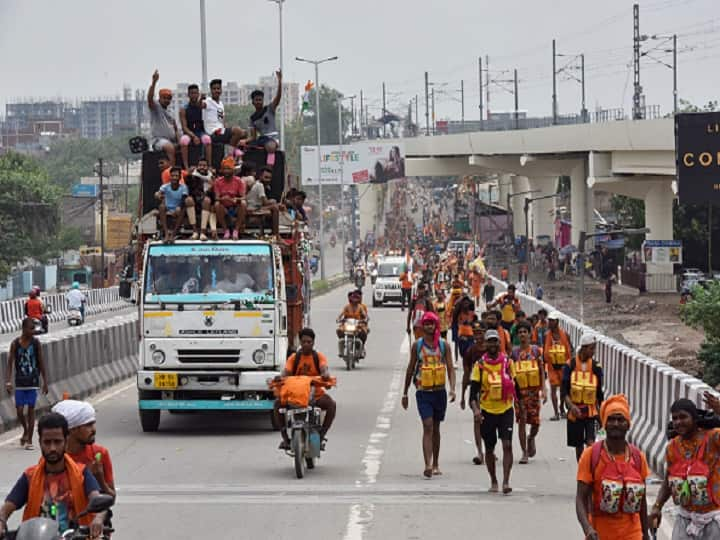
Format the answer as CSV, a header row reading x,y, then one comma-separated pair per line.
x,y
12,312
82,363
650,386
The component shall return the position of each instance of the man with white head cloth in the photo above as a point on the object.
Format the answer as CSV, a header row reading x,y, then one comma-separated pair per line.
x,y
81,446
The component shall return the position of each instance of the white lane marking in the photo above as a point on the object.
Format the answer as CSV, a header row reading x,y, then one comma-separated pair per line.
x,y
361,515
101,398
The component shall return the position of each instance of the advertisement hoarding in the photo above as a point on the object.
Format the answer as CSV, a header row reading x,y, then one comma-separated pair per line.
x,y
697,153
359,163
662,251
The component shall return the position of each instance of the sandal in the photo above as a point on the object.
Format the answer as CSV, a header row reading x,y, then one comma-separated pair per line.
x,y
555,418
284,445
507,490
524,460
478,460
427,473
29,446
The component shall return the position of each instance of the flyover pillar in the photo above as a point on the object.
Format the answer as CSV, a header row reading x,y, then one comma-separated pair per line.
x,y
580,204
504,187
520,184
659,211
542,213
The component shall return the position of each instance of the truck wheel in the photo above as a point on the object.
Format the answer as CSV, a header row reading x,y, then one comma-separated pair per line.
x,y
376,303
149,420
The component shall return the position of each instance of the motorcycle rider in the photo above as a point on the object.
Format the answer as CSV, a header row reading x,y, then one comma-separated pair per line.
x,y
76,299
35,309
359,277
57,487
354,309
307,361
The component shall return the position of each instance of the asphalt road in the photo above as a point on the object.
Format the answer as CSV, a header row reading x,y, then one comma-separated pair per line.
x,y
220,476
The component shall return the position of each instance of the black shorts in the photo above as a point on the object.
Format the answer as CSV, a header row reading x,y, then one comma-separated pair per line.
x,y
496,426
223,136
443,334
580,432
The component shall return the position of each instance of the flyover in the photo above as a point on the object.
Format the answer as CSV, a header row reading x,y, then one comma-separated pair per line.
x,y
631,158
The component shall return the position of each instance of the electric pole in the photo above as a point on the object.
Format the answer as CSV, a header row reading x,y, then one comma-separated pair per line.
x,y
361,114
433,110
517,120
427,106
417,117
487,85
462,104
637,89
384,112
675,88
583,109
480,85
102,223
554,79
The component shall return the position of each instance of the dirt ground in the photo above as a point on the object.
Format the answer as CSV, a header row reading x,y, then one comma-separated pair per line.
x,y
649,323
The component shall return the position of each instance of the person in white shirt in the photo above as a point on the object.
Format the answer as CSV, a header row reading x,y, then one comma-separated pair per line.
x,y
214,118
76,299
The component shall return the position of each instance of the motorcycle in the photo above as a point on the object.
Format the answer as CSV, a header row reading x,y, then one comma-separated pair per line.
x,y
314,265
303,421
359,279
74,317
351,346
47,529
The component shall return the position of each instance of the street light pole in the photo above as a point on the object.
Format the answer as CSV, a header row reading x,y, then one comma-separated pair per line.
x,y
317,63
203,46
675,88
281,115
342,176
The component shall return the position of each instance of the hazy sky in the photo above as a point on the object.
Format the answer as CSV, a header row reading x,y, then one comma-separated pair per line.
x,y
83,48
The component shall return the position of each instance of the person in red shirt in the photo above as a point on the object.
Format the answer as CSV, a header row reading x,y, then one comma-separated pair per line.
x,y
81,446
230,199
34,307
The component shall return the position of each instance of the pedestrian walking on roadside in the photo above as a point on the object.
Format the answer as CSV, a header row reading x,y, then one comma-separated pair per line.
x,y
472,355
492,395
611,480
556,353
431,369
25,366
530,379
582,392
692,479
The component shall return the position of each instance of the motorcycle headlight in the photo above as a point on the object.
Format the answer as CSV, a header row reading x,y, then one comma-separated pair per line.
x,y
158,357
350,327
259,356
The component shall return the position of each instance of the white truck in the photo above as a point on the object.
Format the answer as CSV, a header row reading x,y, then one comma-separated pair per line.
x,y
216,321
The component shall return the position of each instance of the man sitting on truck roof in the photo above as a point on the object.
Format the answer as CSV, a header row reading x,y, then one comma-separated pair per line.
x,y
263,129
174,197
200,183
214,119
258,203
163,128
230,194
191,122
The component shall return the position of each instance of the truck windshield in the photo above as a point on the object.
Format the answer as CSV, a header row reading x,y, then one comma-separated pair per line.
x,y
206,273
389,270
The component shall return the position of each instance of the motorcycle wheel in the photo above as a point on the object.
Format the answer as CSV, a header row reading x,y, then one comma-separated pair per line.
x,y
298,448
348,362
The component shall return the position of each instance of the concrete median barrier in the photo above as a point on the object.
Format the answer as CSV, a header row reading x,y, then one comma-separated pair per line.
x,y
83,363
651,386
12,312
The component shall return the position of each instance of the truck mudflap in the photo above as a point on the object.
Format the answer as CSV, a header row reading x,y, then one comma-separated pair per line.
x,y
206,404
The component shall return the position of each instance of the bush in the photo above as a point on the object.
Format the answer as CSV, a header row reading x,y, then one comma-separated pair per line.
x,y
703,311
320,286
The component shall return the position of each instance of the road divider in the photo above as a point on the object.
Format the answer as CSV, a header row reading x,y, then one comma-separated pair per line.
x,y
651,386
12,312
82,363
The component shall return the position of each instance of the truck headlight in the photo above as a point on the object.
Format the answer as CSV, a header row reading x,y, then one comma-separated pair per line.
x,y
259,356
158,357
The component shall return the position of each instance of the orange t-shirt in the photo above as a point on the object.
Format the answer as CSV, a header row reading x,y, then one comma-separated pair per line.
x,y
306,366
405,280
34,308
165,176
87,456
712,459
610,526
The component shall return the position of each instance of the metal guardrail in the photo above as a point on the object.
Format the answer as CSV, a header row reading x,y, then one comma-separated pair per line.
x,y
650,386
12,312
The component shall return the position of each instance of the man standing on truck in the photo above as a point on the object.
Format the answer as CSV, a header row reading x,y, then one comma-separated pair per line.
x,y
163,128
307,361
230,199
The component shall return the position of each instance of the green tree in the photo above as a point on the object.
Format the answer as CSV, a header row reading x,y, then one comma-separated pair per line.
x,y
238,115
703,311
29,216
630,214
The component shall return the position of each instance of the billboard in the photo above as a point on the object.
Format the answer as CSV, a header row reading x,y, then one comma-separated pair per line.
x,y
697,154
359,163
662,251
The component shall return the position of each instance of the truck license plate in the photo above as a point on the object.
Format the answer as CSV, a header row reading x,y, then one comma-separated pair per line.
x,y
166,380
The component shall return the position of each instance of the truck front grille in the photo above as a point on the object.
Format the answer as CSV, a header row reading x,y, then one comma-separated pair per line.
x,y
208,356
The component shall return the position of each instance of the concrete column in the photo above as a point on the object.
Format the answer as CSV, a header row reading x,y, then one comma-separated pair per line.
x,y
542,213
519,185
659,211
504,185
579,203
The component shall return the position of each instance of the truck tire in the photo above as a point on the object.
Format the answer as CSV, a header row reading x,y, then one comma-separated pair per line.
x,y
149,420
376,303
